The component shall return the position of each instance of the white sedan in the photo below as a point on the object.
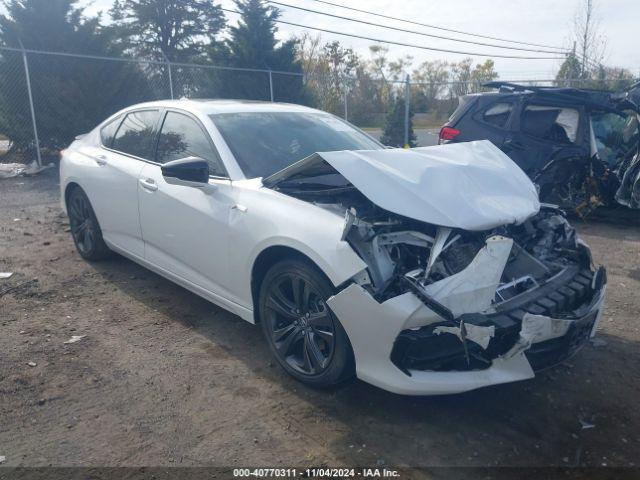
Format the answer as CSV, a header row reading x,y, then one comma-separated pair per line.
x,y
426,271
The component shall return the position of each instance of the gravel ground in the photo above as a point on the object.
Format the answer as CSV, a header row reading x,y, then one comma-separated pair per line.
x,y
161,377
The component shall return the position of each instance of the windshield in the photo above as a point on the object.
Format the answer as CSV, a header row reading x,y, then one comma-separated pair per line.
x,y
266,142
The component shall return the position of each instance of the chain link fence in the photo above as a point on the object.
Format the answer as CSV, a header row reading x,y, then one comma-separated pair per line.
x,y
15,117
48,98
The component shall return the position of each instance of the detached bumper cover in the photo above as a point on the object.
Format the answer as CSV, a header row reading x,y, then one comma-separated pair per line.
x,y
554,337
403,346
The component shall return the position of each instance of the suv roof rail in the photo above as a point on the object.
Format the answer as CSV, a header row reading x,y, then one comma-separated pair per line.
x,y
516,87
599,99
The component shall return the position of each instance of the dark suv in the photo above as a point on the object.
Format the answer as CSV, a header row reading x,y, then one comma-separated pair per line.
x,y
579,146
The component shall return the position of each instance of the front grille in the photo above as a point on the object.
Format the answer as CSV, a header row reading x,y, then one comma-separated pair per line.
x,y
565,295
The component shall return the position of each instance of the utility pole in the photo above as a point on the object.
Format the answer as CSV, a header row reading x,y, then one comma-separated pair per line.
x,y
407,100
271,85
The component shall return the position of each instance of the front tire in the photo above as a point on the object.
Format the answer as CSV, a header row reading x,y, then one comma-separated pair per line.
x,y
303,334
85,228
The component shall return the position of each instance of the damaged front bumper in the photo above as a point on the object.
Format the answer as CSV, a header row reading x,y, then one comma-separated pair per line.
x,y
404,346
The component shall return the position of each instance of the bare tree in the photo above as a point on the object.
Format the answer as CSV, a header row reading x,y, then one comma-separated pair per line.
x,y
587,36
431,77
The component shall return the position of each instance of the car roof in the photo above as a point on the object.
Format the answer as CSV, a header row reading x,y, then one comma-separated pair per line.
x,y
213,106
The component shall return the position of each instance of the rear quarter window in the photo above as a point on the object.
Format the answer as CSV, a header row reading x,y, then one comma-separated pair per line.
x,y
497,114
108,132
136,133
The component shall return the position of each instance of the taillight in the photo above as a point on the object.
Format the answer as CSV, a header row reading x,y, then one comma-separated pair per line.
x,y
447,134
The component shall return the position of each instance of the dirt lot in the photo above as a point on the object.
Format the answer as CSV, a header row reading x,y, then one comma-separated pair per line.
x,y
161,377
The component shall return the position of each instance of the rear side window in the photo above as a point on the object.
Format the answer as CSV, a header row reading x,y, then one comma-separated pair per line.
x,y
181,136
556,124
109,131
498,114
135,135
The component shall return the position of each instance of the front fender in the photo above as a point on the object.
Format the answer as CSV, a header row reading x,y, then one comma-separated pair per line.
x,y
268,219
338,261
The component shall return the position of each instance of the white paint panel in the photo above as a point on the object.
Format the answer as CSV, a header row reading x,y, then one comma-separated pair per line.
x,y
472,186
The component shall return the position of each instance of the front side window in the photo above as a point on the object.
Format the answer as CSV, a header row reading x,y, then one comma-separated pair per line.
x,y
556,124
498,114
109,131
266,142
615,135
135,135
182,137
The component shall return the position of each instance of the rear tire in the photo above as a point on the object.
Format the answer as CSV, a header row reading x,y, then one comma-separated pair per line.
x,y
85,229
303,334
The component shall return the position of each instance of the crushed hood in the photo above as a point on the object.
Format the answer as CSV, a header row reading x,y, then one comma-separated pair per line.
x,y
471,186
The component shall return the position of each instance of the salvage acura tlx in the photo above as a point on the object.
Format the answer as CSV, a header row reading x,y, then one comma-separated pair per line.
x,y
425,271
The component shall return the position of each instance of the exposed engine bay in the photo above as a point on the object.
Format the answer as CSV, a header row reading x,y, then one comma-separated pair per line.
x,y
466,271
403,253
546,275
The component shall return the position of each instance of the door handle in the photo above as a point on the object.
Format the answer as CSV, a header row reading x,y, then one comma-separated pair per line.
x,y
148,184
101,160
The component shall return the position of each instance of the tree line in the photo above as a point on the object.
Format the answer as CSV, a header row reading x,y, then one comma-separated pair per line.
x,y
83,92
74,94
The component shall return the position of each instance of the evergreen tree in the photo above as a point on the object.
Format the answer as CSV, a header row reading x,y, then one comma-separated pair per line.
x,y
570,71
180,29
71,95
252,44
393,134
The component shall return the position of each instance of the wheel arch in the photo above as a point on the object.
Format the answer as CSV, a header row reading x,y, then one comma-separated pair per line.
x,y
274,254
70,187
265,260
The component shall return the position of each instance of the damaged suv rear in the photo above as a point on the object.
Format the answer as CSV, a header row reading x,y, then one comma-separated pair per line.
x,y
469,281
579,146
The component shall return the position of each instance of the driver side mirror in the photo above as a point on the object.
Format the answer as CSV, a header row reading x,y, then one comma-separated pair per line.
x,y
190,171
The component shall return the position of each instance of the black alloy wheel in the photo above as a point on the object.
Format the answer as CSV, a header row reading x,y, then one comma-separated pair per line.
x,y
302,332
85,229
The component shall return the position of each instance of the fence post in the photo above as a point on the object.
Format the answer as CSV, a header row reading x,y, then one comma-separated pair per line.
x,y
33,112
345,99
407,100
271,85
168,64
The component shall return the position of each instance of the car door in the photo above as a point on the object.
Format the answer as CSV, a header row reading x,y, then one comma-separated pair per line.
x,y
545,132
126,143
185,228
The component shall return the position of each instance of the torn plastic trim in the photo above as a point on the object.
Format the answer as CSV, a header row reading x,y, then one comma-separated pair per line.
x,y
417,289
474,333
546,338
439,246
372,328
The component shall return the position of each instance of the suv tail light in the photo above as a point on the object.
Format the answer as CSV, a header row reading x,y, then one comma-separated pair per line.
x,y
447,134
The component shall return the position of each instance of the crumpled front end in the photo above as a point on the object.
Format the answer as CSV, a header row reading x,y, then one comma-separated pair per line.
x,y
446,311
469,282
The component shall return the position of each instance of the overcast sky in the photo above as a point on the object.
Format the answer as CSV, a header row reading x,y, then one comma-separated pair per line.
x,y
541,21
